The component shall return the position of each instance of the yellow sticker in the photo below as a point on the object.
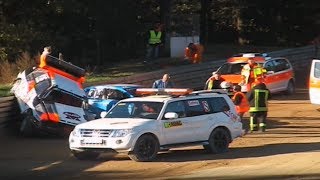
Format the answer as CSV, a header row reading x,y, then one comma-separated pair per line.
x,y
172,124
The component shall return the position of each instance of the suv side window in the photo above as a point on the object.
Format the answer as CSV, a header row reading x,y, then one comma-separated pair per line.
x,y
269,66
177,107
91,93
229,68
317,70
281,65
197,107
236,68
224,69
218,104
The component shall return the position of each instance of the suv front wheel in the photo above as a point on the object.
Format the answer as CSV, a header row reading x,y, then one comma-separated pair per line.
x,y
218,141
145,149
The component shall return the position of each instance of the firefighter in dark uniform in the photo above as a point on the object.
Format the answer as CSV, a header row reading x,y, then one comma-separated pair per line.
x,y
258,99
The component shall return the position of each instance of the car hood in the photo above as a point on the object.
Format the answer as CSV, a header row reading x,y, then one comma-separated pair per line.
x,y
233,78
113,123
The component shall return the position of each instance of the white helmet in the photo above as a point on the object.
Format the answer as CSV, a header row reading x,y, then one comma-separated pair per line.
x,y
226,85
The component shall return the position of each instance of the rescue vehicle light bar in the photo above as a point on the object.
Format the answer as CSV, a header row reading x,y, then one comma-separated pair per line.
x,y
163,91
219,91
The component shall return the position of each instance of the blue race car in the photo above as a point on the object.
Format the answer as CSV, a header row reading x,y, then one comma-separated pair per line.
x,y
104,97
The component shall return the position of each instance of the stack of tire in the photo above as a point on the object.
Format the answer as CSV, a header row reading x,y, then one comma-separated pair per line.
x,y
9,111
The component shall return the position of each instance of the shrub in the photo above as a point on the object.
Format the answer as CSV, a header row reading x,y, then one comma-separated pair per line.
x,y
24,62
8,71
7,74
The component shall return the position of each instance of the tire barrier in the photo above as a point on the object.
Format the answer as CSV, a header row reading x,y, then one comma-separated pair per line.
x,y
9,109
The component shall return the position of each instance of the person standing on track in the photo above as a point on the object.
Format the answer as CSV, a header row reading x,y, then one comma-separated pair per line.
x,y
258,99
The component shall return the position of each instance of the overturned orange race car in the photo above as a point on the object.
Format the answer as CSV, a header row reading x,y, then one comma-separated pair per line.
x,y
50,97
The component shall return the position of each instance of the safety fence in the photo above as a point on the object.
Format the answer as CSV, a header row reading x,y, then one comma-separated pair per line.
x,y
186,76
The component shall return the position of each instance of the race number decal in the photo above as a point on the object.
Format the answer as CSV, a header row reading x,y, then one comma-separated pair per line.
x,y
73,116
193,103
172,124
42,78
232,116
205,106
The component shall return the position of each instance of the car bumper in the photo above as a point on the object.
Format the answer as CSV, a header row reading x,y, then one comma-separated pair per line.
x,y
237,130
117,144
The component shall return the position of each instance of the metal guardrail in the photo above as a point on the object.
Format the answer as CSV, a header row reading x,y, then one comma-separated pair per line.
x,y
186,76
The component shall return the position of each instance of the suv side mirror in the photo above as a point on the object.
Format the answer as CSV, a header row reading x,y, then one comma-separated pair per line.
x,y
103,114
171,115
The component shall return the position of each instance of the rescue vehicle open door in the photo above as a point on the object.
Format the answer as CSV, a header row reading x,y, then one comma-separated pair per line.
x,y
314,82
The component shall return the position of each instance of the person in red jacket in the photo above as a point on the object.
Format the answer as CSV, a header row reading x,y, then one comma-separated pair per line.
x,y
241,102
193,53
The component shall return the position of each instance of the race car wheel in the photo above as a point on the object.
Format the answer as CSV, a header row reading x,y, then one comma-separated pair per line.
x,y
218,141
26,127
145,149
290,88
85,155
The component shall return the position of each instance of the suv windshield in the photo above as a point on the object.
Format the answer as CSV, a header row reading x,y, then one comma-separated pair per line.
x,y
231,68
145,110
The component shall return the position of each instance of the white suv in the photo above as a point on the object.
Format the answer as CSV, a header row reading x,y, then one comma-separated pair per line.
x,y
142,126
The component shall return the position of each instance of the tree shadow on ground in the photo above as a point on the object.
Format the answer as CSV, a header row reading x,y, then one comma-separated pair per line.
x,y
237,152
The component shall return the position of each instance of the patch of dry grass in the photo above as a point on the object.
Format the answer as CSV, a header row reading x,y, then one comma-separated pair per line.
x,y
9,71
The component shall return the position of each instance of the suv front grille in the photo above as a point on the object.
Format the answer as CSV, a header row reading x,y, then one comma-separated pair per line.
x,y
95,132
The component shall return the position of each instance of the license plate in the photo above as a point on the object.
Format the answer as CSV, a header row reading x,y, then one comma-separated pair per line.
x,y
92,141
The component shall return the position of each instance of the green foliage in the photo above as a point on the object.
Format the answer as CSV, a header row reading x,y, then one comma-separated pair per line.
x,y
5,90
102,32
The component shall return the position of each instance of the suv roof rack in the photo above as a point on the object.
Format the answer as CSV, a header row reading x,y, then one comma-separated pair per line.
x,y
218,91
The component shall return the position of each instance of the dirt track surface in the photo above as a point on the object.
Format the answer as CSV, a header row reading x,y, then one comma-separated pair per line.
x,y
288,150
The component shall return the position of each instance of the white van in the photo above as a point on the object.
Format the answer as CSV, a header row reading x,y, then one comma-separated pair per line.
x,y
314,82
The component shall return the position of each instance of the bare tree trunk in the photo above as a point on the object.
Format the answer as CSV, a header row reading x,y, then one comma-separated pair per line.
x,y
204,22
165,16
239,25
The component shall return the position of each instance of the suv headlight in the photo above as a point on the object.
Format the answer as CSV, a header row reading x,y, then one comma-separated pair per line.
x,y
76,132
121,132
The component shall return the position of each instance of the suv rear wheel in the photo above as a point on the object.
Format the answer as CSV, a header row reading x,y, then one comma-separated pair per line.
x,y
218,141
290,88
145,149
